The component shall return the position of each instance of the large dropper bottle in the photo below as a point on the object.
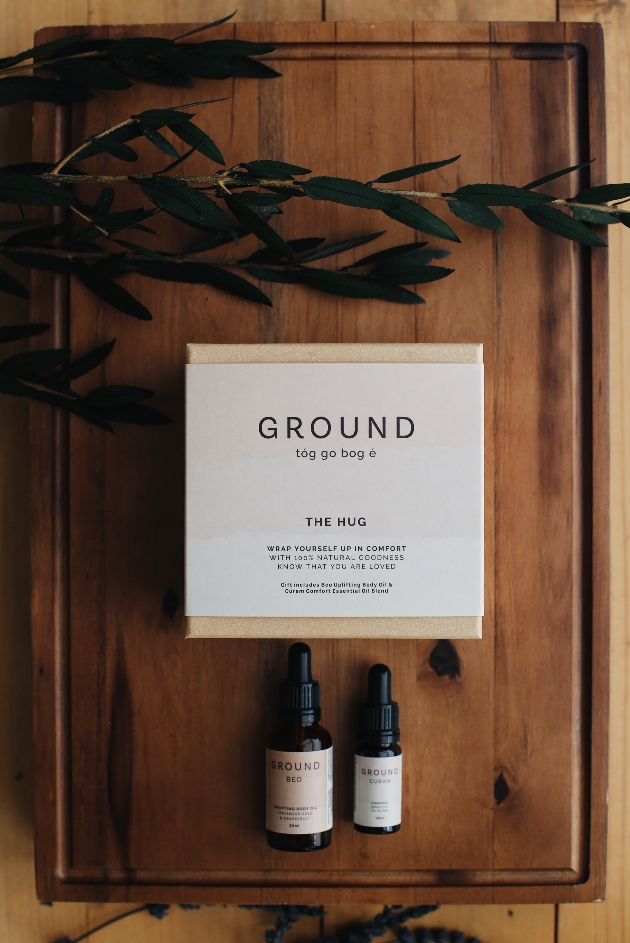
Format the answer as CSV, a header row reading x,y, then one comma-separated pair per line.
x,y
299,764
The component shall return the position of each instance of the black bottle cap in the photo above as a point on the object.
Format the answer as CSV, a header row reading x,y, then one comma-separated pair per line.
x,y
299,694
378,718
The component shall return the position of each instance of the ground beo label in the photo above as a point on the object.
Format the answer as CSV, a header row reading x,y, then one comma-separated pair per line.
x,y
299,791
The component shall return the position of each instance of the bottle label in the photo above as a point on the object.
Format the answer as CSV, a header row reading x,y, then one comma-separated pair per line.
x,y
299,792
377,791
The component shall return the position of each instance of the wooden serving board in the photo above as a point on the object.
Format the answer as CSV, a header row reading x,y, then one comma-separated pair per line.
x,y
149,746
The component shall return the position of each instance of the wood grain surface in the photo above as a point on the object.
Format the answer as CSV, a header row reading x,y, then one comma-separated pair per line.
x,y
21,918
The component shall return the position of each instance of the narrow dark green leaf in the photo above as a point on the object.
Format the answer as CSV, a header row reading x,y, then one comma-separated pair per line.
x,y
269,256
385,254
158,140
108,291
558,173
90,72
500,194
19,88
624,219
149,70
415,170
126,219
201,29
339,247
417,217
243,67
86,363
594,216
142,250
416,274
104,396
355,286
19,223
32,191
11,286
218,239
17,332
274,168
118,149
203,273
403,264
285,275
232,47
104,202
185,61
40,391
185,203
349,193
31,258
31,362
134,413
609,191
255,199
563,225
28,167
477,214
158,117
43,49
258,226
197,138
39,236
138,47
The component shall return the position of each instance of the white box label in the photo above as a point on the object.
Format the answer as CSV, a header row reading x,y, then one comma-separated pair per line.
x,y
327,489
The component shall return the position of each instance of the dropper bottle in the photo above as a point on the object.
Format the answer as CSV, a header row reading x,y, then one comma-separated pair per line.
x,y
378,759
299,764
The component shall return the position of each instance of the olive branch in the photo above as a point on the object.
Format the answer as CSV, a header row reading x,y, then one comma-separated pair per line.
x,y
224,205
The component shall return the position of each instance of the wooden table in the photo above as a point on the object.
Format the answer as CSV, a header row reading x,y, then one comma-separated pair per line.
x,y
496,923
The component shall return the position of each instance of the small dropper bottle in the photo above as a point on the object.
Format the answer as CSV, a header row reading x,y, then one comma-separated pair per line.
x,y
299,764
378,759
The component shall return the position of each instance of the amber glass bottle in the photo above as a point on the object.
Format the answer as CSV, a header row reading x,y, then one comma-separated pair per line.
x,y
299,764
378,759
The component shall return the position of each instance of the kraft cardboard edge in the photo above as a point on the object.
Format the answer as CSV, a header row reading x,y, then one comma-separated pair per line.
x,y
334,353
425,627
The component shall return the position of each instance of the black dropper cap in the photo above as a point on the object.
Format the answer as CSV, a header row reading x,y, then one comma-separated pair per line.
x,y
299,694
378,718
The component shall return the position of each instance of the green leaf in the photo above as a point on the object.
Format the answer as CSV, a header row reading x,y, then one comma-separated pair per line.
x,y
11,286
255,199
415,170
298,246
416,273
385,254
40,236
355,286
126,219
19,88
185,203
417,217
135,413
197,138
397,265
90,72
108,291
258,226
19,223
218,239
202,273
158,117
32,362
17,332
624,219
500,194
142,250
232,47
558,173
243,67
349,193
43,49
104,202
105,396
32,191
33,259
273,168
563,225
85,364
594,216
202,29
477,214
609,191
118,149
139,46
338,247
148,70
158,140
